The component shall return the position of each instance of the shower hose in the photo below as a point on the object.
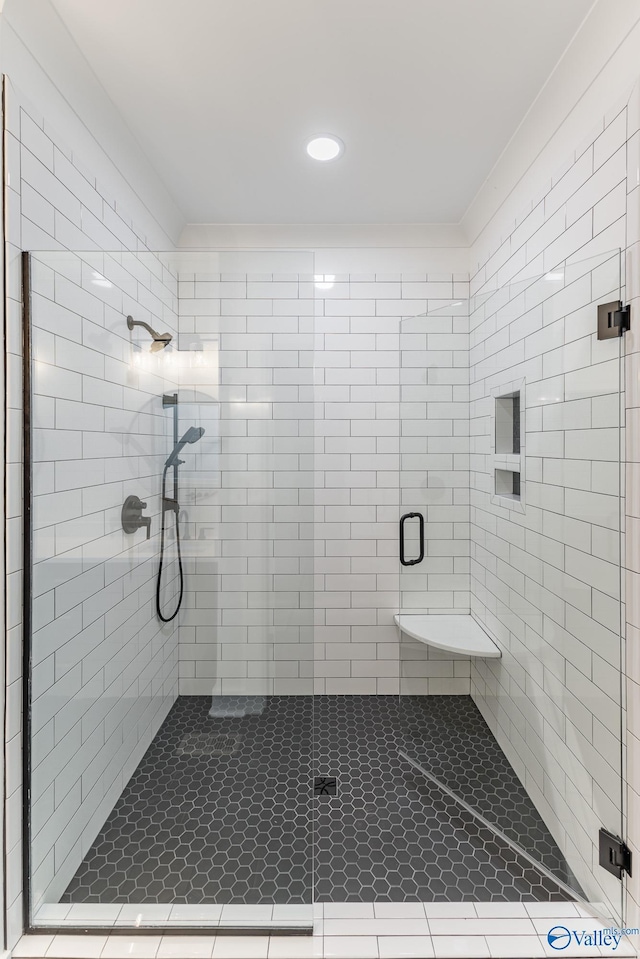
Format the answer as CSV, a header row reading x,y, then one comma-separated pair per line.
x,y
161,616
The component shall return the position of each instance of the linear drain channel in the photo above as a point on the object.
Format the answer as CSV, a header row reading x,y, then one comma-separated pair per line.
x,y
325,786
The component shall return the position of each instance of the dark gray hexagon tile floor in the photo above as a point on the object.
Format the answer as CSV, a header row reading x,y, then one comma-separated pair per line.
x,y
393,835
221,808
448,736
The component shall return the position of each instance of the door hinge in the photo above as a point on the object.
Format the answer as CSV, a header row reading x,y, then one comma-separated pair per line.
x,y
614,319
615,855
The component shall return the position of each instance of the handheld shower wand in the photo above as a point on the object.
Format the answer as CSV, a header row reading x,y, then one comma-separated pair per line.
x,y
192,435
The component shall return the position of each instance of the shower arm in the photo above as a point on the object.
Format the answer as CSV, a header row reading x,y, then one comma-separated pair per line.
x,y
131,323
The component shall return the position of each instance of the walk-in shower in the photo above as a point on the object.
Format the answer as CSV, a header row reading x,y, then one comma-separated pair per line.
x,y
260,707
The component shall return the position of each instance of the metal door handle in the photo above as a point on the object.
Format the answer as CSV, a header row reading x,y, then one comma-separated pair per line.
x,y
403,519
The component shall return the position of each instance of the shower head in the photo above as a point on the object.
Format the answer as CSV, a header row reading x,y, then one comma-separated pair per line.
x,y
160,340
193,434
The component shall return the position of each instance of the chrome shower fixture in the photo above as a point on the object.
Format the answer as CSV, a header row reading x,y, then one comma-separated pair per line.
x,y
160,340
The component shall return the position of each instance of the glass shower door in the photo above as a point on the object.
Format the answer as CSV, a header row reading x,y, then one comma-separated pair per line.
x,y
168,758
510,649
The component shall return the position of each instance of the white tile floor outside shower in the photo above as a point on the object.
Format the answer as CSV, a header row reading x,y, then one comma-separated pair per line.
x,y
359,931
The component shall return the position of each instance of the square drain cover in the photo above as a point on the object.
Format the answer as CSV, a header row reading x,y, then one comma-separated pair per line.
x,y
325,786
208,744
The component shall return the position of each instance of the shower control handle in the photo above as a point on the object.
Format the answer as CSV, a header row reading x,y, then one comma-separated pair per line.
x,y
420,557
132,518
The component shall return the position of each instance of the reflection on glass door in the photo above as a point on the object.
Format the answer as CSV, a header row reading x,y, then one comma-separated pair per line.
x,y
169,468
511,641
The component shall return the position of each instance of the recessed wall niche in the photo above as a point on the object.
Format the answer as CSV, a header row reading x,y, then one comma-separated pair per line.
x,y
507,483
507,423
508,445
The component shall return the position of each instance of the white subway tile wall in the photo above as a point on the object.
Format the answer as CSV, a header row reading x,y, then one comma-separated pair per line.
x,y
104,674
434,477
247,490
546,581
309,453
358,464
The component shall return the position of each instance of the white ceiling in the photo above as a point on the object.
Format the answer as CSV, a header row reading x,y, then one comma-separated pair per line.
x,y
222,95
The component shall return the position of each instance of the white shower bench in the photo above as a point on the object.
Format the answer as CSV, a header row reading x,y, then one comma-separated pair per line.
x,y
455,634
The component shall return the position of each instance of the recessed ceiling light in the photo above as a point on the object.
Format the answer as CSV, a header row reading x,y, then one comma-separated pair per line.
x,y
325,147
